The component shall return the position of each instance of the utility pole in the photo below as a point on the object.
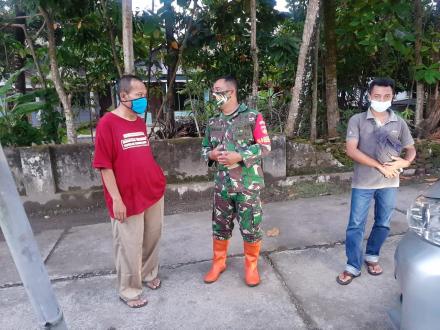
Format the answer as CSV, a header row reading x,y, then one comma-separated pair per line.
x,y
23,247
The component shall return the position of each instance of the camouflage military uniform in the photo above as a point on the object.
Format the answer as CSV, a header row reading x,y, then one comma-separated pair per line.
x,y
237,187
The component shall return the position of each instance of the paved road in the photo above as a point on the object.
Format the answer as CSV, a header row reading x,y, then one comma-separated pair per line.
x,y
298,268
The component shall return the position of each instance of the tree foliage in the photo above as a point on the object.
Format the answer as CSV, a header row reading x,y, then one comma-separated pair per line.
x,y
373,38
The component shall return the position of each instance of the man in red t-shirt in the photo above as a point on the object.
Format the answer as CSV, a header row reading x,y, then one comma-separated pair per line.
x,y
134,187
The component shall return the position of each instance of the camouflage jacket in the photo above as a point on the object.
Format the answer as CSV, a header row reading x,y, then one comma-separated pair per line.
x,y
243,131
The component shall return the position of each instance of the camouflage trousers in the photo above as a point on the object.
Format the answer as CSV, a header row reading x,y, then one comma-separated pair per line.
x,y
245,206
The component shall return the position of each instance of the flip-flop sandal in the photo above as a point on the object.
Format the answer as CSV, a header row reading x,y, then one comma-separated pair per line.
x,y
346,274
372,264
152,286
133,306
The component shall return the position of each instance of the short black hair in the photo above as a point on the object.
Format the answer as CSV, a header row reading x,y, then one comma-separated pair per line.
x,y
230,80
382,82
124,84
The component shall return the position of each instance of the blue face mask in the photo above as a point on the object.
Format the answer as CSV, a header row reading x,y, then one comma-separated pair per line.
x,y
139,105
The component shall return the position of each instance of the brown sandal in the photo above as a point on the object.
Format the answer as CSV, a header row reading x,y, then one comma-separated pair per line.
x,y
153,284
370,268
127,302
346,274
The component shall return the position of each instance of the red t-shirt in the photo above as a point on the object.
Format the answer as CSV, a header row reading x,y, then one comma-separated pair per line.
x,y
123,146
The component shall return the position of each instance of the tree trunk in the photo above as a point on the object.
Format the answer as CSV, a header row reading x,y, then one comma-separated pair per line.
x,y
431,123
111,35
254,52
127,36
171,92
420,88
172,64
150,64
430,99
105,100
172,78
32,50
66,100
420,100
313,115
20,82
312,13
96,106
330,59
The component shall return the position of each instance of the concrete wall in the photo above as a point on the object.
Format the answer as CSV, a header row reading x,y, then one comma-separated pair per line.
x,y
181,159
274,165
304,158
61,176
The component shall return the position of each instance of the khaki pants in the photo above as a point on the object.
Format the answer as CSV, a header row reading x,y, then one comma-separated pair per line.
x,y
136,249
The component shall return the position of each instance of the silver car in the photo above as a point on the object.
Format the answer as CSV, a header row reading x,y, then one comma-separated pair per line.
x,y
417,265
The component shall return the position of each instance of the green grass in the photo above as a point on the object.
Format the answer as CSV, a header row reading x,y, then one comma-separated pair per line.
x,y
313,189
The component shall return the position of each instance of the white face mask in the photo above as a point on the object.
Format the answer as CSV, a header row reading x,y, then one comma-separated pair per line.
x,y
380,106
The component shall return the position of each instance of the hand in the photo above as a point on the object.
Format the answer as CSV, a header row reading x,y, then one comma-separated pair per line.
x,y
229,158
213,154
119,210
397,163
388,171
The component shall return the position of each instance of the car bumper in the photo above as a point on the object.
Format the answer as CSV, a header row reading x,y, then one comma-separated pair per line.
x,y
417,270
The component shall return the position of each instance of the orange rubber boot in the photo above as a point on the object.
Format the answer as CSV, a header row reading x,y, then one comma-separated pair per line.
x,y
251,253
220,248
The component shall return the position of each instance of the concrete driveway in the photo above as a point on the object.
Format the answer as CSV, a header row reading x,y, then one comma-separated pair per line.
x,y
298,269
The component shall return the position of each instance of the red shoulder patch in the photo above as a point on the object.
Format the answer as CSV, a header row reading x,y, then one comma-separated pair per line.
x,y
260,131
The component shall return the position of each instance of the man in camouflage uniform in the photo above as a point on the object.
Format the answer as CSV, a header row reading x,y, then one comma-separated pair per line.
x,y
235,141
